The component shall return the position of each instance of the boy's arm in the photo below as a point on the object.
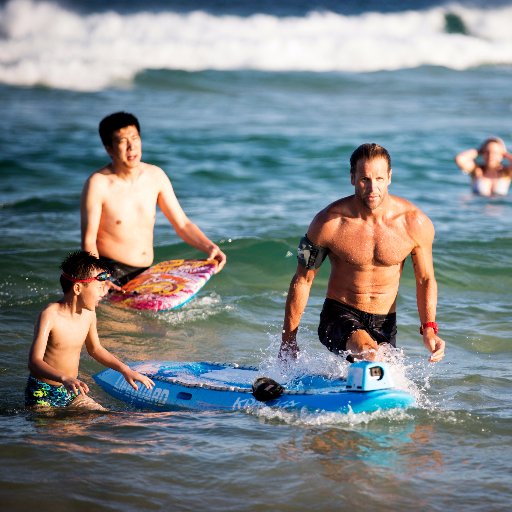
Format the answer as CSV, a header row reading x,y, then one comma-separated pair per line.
x,y
38,367
106,358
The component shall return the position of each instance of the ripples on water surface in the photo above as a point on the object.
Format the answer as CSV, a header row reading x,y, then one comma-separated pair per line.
x,y
253,155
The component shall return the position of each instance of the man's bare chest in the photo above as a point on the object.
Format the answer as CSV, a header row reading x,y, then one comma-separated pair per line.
x,y
129,203
364,246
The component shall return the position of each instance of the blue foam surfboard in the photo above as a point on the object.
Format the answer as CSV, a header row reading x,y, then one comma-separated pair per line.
x,y
217,386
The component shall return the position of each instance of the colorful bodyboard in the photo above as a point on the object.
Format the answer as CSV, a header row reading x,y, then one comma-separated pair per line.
x,y
166,285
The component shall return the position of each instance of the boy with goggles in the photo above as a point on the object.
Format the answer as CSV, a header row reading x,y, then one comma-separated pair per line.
x,y
61,331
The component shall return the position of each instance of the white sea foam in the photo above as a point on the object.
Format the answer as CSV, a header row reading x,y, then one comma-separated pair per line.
x,y
47,44
198,309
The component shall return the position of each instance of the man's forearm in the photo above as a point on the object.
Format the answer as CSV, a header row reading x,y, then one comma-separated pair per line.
x,y
90,247
426,295
192,235
298,295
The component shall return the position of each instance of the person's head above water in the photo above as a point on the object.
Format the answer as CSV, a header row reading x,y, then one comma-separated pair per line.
x,y
114,122
492,150
370,173
82,267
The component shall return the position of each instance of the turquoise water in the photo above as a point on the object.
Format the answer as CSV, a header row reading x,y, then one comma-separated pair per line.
x,y
253,153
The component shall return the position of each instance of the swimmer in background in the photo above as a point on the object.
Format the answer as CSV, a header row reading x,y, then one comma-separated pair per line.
x,y
488,173
60,333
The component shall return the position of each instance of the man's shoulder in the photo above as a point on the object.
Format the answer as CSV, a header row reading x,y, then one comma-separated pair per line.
x,y
331,219
417,222
404,206
340,208
152,170
105,175
101,174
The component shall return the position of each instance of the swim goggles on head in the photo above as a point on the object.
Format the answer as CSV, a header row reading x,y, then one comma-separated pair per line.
x,y
102,276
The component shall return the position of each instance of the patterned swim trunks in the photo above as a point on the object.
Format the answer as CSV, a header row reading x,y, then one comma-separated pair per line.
x,y
41,393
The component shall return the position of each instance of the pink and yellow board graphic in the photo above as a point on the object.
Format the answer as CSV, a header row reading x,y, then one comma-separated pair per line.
x,y
166,285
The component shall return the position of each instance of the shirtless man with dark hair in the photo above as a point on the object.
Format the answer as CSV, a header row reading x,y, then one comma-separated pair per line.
x,y
367,238
118,209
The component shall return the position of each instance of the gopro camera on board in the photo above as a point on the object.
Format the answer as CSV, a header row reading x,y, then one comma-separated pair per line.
x,y
368,376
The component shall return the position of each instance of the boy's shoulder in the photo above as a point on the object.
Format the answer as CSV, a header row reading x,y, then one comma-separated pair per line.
x,y
61,308
48,314
59,314
52,307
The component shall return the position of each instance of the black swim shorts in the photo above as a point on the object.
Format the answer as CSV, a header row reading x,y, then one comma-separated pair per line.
x,y
122,273
339,321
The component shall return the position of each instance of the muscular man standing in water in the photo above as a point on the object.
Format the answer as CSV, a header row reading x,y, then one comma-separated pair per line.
x,y
367,237
118,209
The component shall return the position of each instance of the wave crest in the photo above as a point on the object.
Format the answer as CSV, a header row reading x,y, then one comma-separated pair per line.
x,y
46,44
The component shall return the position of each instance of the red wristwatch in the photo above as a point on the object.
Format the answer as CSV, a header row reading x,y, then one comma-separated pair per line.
x,y
429,324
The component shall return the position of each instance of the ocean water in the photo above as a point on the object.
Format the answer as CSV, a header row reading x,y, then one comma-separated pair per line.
x,y
253,111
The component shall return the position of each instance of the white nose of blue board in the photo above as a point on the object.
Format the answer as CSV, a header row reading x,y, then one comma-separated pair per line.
x,y
368,376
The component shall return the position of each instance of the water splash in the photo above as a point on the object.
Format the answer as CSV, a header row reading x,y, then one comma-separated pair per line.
x,y
200,308
412,377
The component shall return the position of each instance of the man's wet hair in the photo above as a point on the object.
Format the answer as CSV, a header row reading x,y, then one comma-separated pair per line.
x,y
114,122
80,265
368,151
